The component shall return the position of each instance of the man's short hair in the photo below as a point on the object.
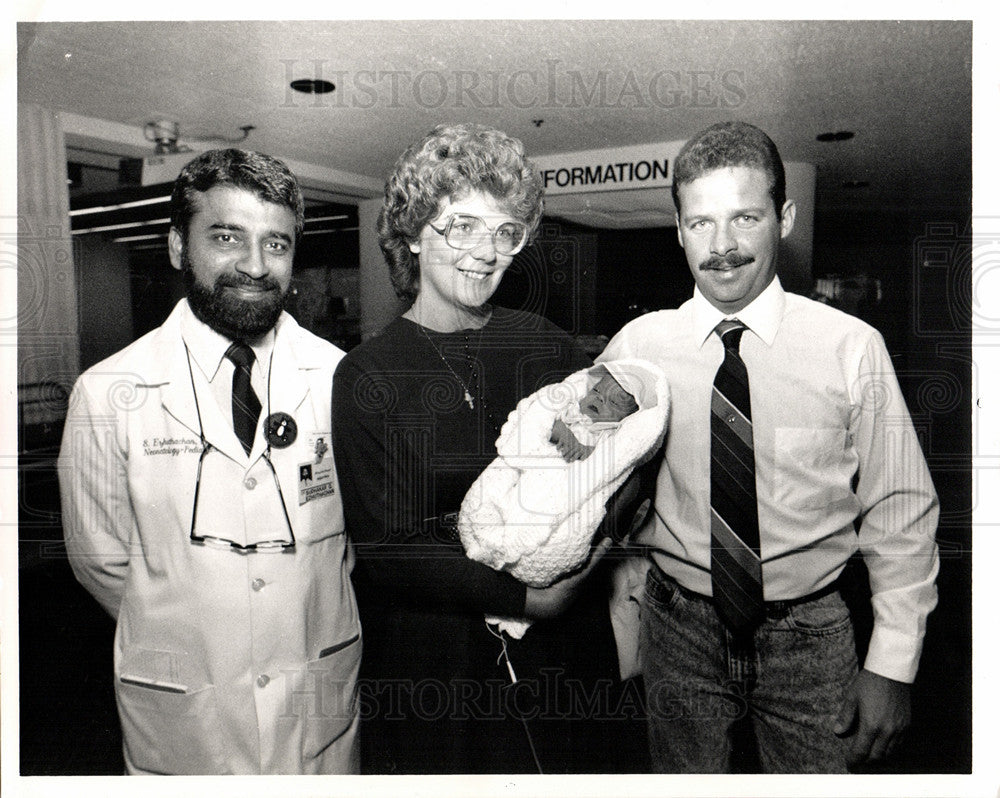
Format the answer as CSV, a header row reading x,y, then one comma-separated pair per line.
x,y
728,144
262,175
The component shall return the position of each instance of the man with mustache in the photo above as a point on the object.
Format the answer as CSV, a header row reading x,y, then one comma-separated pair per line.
x,y
788,429
201,506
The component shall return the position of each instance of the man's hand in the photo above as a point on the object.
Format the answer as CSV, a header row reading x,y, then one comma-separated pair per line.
x,y
554,600
875,712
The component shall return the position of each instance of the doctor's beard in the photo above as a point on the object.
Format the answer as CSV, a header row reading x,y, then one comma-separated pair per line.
x,y
232,316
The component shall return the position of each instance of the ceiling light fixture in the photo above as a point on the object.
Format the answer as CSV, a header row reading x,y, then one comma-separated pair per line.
x,y
329,231
312,86
165,133
124,226
338,217
120,206
128,239
840,135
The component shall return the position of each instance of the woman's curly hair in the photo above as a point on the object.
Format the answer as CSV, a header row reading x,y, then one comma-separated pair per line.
x,y
451,162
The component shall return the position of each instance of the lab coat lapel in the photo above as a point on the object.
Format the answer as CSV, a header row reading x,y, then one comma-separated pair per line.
x,y
175,393
219,426
178,398
288,384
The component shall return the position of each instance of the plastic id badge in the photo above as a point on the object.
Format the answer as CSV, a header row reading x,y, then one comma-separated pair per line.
x,y
316,476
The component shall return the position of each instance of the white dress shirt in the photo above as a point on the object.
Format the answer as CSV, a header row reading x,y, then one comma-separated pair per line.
x,y
826,409
208,349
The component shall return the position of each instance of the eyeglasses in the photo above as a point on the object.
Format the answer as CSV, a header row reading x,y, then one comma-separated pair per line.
x,y
206,448
464,231
214,540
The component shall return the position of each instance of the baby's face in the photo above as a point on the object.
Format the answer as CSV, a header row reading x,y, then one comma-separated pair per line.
x,y
607,401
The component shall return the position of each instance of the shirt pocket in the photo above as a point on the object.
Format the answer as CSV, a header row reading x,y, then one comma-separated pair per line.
x,y
319,519
809,467
170,730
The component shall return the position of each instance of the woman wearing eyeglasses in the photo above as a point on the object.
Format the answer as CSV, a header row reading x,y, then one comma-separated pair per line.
x,y
417,409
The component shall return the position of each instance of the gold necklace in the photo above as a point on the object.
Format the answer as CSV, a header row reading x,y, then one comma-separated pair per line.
x,y
447,365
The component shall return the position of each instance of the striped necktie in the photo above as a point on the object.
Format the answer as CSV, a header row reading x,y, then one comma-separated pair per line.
x,y
246,405
736,573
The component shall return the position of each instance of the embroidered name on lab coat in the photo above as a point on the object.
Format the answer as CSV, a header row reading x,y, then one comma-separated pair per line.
x,y
170,446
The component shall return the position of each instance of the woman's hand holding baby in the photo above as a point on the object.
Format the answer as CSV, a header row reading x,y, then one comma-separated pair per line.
x,y
554,600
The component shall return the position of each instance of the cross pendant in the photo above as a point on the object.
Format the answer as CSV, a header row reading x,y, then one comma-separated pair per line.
x,y
468,399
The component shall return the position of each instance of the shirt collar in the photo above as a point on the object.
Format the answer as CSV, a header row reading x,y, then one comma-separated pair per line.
x,y
208,347
762,316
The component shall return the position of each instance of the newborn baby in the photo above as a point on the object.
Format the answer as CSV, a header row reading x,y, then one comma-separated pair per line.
x,y
576,430
562,453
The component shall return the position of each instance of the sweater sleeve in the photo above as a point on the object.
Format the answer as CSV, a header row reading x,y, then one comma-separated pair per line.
x,y
406,559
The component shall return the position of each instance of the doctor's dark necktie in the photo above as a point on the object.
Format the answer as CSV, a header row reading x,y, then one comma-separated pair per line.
x,y
246,405
736,573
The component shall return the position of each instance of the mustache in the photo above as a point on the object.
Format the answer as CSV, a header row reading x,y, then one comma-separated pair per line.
x,y
238,280
728,261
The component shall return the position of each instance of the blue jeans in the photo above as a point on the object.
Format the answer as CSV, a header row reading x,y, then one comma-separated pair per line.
x,y
788,681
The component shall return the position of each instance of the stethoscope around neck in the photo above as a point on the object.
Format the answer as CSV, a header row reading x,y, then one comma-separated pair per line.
x,y
287,426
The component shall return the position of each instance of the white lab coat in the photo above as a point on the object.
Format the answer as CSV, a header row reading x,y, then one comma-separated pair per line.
x,y
224,662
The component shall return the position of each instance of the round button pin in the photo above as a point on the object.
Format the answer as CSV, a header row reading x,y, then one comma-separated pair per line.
x,y
280,430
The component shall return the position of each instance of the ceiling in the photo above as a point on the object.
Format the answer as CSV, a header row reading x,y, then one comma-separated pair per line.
x,y
903,88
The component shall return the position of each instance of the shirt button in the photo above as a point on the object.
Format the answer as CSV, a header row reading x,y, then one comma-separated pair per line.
x,y
263,679
250,483
257,584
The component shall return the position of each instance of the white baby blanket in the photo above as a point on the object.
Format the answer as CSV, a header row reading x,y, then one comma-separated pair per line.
x,y
533,514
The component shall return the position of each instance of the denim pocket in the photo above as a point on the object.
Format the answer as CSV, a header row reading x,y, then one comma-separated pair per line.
x,y
825,616
661,592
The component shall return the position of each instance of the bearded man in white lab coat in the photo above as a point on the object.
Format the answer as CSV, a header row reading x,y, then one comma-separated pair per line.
x,y
204,513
